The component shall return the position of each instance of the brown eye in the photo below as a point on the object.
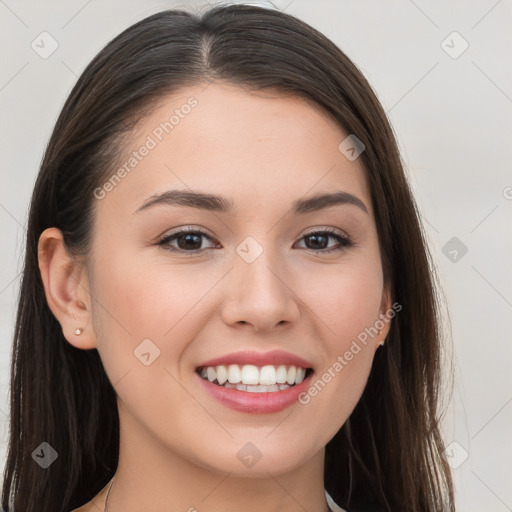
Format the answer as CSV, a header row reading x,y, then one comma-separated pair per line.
x,y
187,241
320,240
190,241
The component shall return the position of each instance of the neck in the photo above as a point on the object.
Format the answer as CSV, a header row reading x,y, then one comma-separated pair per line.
x,y
150,473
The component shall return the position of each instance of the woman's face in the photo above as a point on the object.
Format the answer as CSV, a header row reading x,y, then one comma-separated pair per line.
x,y
256,279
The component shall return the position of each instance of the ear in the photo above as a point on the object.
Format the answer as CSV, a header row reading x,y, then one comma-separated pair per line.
x,y
66,287
386,314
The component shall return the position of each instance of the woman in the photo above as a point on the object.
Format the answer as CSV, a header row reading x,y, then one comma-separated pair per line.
x,y
227,300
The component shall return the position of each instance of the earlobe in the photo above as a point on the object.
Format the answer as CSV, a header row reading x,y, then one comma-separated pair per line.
x,y
66,289
384,322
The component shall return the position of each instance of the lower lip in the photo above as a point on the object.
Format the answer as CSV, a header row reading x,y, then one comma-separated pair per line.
x,y
257,403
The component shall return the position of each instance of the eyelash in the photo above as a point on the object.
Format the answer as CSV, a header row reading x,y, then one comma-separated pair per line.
x,y
344,241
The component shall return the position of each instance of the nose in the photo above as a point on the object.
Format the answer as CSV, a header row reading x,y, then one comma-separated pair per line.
x,y
259,294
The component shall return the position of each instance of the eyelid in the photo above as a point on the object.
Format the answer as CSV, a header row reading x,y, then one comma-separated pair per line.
x,y
344,241
163,240
327,228
188,227
194,228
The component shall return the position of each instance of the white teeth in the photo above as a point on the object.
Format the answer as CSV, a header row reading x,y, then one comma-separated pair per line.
x,y
240,387
211,374
253,378
268,375
250,374
292,373
234,374
300,375
258,388
281,374
222,374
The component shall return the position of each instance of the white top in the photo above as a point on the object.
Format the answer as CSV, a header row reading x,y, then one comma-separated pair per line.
x,y
330,502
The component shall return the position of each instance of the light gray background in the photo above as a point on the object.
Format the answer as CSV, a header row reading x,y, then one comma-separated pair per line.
x,y
452,118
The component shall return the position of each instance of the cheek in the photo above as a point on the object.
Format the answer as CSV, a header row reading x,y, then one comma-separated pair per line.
x,y
143,296
346,299
139,299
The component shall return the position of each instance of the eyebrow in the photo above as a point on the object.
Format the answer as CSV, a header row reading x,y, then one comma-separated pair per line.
x,y
215,203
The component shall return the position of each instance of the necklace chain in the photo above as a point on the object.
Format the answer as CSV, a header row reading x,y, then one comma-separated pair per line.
x,y
108,494
112,482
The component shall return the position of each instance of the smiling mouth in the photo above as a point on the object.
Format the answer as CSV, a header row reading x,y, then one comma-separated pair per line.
x,y
256,379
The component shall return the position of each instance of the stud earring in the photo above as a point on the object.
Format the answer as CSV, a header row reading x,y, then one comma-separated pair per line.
x,y
382,342
78,331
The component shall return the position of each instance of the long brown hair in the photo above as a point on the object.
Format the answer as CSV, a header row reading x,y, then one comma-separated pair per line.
x,y
388,455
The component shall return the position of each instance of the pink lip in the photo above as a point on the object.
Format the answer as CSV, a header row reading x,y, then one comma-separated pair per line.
x,y
274,357
256,403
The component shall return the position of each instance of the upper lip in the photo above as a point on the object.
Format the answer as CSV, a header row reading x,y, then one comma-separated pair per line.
x,y
274,357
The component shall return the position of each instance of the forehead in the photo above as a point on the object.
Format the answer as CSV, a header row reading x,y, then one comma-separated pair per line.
x,y
254,148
